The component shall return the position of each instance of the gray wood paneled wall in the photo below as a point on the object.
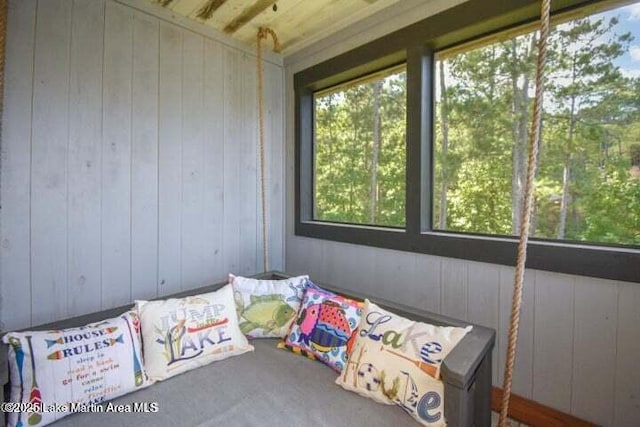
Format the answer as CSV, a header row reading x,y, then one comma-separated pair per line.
x,y
579,337
579,345
129,159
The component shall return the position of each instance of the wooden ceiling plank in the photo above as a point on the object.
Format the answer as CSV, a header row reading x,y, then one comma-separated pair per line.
x,y
247,15
294,24
209,8
326,22
267,18
225,14
184,7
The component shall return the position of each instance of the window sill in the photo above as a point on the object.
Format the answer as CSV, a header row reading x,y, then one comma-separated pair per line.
x,y
606,262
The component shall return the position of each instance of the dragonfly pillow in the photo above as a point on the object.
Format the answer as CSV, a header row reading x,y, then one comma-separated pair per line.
x,y
59,372
395,360
324,326
266,308
183,334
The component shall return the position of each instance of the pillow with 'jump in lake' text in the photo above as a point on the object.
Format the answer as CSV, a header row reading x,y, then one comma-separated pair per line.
x,y
183,334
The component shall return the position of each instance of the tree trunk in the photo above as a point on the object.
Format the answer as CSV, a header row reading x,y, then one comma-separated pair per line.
x,y
564,201
566,173
444,125
566,179
375,149
519,153
634,154
352,157
605,149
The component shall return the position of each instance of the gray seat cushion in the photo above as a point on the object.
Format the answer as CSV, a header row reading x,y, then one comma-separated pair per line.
x,y
268,387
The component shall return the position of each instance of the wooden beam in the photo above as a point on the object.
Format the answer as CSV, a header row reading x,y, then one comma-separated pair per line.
x,y
535,414
207,10
247,15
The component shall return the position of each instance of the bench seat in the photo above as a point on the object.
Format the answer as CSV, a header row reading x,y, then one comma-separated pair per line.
x,y
273,387
267,387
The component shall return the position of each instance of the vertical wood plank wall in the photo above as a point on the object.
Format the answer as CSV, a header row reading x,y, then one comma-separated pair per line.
x,y
579,337
579,342
129,160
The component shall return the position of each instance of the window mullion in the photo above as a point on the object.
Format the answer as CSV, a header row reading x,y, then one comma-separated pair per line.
x,y
419,134
304,156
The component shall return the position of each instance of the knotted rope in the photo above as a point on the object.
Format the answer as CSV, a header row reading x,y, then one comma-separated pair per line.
x,y
263,33
525,223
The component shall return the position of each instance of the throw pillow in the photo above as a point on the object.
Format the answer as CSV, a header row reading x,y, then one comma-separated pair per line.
x,y
324,326
183,334
60,372
395,360
297,350
266,308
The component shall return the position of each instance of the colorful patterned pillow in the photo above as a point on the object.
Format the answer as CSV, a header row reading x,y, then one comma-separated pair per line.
x,y
183,334
297,350
58,372
266,308
324,326
395,360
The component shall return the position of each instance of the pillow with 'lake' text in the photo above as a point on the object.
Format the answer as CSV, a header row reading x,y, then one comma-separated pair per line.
x,y
395,360
56,373
183,334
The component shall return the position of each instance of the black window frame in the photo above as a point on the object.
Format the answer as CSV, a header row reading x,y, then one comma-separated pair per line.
x,y
416,45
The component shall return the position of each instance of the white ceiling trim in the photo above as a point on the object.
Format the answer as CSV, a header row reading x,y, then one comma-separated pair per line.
x,y
402,14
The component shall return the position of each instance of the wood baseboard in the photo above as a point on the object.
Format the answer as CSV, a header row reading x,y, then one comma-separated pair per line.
x,y
534,414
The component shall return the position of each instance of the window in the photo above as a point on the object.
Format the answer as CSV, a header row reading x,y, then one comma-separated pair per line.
x,y
359,149
446,174
588,188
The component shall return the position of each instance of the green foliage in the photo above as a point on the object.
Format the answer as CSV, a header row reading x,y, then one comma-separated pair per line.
x,y
343,152
591,118
614,192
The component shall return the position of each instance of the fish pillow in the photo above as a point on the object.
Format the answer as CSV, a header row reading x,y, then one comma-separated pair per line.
x,y
396,361
266,308
297,350
324,326
183,334
60,372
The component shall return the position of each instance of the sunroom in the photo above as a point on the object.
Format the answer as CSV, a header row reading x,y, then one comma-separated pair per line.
x,y
314,158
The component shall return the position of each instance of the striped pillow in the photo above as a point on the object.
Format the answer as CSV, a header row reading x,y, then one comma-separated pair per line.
x,y
64,371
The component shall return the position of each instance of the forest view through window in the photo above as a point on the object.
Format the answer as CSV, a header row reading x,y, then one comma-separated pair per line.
x,y
360,151
588,181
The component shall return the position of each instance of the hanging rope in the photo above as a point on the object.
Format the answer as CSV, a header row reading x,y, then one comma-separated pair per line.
x,y
525,223
263,33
